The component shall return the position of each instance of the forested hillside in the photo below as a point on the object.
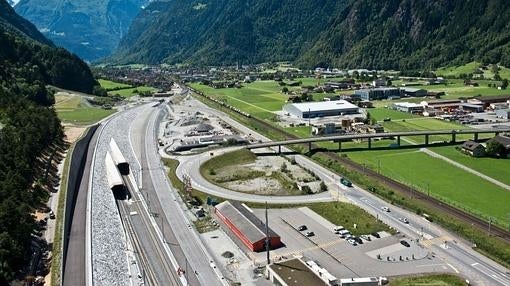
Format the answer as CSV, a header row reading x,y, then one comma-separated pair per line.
x,y
89,28
399,34
28,125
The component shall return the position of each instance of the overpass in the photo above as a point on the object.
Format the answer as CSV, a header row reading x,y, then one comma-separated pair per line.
x,y
370,136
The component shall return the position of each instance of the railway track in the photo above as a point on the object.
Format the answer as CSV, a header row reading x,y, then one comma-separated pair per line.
x,y
397,186
153,276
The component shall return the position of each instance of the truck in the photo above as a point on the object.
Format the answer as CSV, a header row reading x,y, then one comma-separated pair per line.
x,y
345,182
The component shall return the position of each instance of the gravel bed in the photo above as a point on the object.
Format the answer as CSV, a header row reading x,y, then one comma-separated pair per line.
x,y
109,261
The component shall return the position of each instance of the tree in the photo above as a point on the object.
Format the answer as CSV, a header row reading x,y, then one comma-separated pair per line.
x,y
504,84
285,90
495,149
323,187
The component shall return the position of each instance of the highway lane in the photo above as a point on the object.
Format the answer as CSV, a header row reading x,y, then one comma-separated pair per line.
x,y
164,201
74,270
455,252
479,269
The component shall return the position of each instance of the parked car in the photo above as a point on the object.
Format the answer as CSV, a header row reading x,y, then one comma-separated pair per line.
x,y
357,239
52,215
386,209
302,227
338,228
403,219
343,233
405,243
376,235
310,233
366,237
352,241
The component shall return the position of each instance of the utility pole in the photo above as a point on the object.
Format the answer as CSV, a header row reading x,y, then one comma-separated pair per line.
x,y
490,222
267,238
310,122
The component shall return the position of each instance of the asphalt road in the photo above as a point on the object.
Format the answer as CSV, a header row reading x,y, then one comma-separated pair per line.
x,y
478,269
74,270
164,201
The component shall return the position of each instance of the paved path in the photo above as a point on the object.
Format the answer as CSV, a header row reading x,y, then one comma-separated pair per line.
x,y
465,168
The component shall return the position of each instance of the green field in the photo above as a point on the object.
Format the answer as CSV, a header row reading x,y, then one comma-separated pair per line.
x,y
441,179
455,88
381,113
428,280
259,98
470,68
128,92
425,123
498,169
111,85
73,109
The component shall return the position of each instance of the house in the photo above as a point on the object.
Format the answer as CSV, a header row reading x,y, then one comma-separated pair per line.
x,y
473,148
505,141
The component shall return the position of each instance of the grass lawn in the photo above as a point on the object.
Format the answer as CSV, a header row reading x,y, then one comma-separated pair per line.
x,y
470,68
451,184
380,113
239,157
347,215
72,109
498,169
128,92
428,280
111,85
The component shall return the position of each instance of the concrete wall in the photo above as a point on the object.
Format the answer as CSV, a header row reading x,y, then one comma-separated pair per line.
x,y
76,167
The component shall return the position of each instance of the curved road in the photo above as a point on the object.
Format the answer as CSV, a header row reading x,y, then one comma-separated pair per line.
x,y
190,166
457,253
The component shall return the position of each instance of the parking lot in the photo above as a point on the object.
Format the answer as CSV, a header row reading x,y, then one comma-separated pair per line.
x,y
377,257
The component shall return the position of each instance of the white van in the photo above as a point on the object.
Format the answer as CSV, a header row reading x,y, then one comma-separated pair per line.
x,y
343,233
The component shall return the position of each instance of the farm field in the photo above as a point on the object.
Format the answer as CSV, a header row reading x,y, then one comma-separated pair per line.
x,y
468,68
451,184
498,169
72,109
455,88
111,85
380,113
128,92
425,123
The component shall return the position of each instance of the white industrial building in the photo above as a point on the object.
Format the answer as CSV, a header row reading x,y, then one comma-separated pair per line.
x,y
320,109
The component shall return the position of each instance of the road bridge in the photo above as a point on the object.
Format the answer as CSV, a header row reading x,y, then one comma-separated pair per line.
x,y
370,136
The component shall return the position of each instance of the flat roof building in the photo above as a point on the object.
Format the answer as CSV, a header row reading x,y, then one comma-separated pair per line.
x,y
320,109
292,272
408,107
249,229
414,92
378,93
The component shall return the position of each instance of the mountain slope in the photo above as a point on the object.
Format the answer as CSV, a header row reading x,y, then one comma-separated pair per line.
x,y
29,127
400,34
89,28
11,21
223,31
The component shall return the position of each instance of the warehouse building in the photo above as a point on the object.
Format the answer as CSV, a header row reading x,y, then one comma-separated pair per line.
x,y
250,230
378,93
409,107
414,92
320,109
